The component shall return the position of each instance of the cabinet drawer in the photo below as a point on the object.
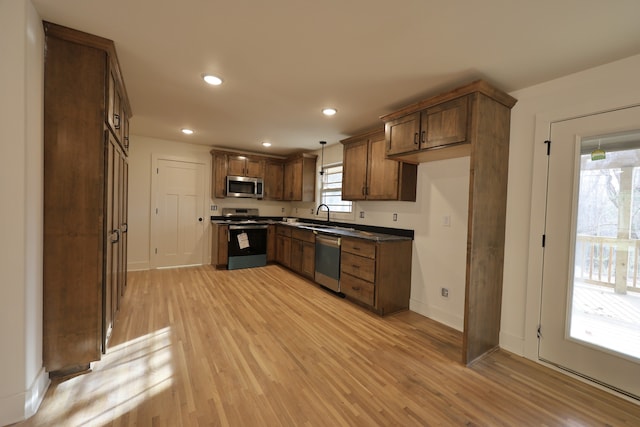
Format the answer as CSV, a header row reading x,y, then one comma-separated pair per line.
x,y
357,288
283,230
360,247
304,235
358,266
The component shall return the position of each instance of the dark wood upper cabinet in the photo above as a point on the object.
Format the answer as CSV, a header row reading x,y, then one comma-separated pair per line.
x,y
300,178
472,120
369,175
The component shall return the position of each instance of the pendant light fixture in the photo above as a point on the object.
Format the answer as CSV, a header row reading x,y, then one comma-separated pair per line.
x,y
323,143
598,153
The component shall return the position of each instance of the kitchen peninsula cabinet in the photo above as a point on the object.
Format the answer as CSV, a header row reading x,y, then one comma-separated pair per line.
x,y
86,141
376,274
369,175
300,178
472,120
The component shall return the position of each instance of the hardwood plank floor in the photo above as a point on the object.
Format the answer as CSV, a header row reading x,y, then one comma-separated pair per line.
x,y
264,347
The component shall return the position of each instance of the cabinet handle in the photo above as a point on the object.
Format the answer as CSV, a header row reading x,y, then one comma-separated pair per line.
x,y
364,190
115,239
356,288
415,138
357,267
423,140
355,248
116,121
125,227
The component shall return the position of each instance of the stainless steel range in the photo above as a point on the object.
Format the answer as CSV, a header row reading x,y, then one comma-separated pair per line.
x,y
247,238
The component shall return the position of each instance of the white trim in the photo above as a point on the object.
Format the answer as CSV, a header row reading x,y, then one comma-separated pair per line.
x,y
19,407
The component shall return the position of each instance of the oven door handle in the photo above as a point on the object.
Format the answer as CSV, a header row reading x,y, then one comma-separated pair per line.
x,y
249,227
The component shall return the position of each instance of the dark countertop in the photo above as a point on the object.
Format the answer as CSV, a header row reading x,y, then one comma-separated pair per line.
x,y
378,234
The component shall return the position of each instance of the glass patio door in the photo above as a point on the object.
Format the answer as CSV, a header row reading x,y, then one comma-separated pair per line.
x,y
590,314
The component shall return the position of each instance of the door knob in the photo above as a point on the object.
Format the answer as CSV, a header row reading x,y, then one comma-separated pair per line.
x,y
200,219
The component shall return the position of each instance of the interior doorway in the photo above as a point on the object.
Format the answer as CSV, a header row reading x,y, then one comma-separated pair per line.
x,y
178,235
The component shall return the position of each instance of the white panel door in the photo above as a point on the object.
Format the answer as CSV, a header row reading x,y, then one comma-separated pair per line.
x,y
590,314
179,232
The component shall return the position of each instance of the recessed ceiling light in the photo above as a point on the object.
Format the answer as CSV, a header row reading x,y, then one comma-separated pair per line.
x,y
212,80
329,111
266,144
186,131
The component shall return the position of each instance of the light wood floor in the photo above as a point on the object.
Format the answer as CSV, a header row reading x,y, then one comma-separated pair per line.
x,y
263,347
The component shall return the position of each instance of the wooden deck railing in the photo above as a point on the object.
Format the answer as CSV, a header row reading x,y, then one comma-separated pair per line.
x,y
595,260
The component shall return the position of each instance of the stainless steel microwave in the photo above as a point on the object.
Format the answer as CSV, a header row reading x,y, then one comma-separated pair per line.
x,y
242,186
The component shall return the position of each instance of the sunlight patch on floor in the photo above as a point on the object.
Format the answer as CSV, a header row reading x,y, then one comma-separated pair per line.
x,y
128,375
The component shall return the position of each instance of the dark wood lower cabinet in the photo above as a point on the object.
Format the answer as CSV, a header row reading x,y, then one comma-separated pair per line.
x,y
303,252
376,274
283,245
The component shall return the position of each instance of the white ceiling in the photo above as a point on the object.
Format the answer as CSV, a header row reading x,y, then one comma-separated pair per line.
x,y
284,60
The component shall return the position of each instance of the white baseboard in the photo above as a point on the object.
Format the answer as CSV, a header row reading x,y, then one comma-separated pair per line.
x,y
20,406
453,321
138,266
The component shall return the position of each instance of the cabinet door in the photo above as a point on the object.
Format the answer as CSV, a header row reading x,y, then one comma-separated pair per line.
x,y
115,104
444,124
220,245
293,180
254,168
271,243
296,255
402,134
236,165
308,264
125,131
110,280
354,170
382,173
273,181
219,187
283,250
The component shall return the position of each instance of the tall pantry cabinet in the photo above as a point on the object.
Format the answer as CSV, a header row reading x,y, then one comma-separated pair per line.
x,y
86,144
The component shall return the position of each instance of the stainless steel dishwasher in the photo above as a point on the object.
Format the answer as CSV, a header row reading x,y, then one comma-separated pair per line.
x,y
328,261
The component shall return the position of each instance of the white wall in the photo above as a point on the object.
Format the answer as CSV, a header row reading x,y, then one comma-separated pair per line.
x,y
23,380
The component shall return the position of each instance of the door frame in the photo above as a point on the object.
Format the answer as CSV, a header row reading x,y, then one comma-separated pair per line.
x,y
153,222
542,130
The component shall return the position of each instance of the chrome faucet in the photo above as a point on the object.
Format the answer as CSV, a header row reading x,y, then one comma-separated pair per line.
x,y
318,210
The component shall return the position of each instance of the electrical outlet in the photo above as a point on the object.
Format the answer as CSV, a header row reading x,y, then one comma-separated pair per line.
x,y
444,292
311,211
361,214
214,207
282,210
446,221
296,210
395,216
